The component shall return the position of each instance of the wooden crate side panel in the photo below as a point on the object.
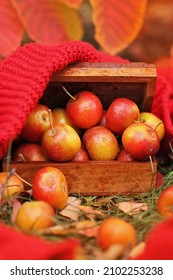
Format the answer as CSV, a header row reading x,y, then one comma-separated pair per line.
x,y
98,178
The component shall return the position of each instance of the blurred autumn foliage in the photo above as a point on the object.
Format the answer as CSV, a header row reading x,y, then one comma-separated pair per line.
x,y
138,30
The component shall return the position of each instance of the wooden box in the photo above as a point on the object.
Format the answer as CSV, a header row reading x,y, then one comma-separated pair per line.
x,y
109,81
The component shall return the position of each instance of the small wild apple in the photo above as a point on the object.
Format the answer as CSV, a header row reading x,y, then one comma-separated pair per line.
x,y
85,111
82,155
121,113
60,143
50,185
100,143
37,122
102,121
165,202
9,186
60,116
35,215
124,156
29,152
140,141
154,122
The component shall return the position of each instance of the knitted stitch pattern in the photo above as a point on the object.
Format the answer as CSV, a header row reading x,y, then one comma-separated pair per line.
x,y
25,74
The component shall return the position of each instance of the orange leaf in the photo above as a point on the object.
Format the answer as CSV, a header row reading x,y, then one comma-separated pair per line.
x,y
87,228
49,21
90,212
72,3
117,23
11,28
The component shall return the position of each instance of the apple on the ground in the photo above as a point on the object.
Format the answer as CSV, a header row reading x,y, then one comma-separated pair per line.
x,y
50,185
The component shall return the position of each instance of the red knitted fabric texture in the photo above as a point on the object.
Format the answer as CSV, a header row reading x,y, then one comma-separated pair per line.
x,y
25,74
159,244
16,245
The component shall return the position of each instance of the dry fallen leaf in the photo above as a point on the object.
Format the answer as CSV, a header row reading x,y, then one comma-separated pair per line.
x,y
59,230
132,207
16,206
137,250
90,212
87,228
71,210
113,253
102,200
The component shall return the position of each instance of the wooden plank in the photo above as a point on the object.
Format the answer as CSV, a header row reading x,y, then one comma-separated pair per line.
x,y
99,178
111,72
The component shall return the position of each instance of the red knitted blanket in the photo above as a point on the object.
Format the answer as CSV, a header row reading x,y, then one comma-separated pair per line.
x,y
25,74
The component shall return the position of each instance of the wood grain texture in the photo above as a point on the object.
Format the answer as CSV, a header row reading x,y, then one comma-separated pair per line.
x,y
97,177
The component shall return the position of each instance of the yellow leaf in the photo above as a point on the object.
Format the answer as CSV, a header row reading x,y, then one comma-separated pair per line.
x,y
49,21
132,207
117,23
72,3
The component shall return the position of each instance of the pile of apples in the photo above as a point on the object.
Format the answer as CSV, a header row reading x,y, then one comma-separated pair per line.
x,y
84,130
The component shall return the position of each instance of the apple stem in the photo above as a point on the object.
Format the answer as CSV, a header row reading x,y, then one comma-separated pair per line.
x,y
24,181
22,157
152,170
156,127
50,120
71,96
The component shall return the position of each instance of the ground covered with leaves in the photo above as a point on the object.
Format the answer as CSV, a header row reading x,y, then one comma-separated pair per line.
x,y
83,215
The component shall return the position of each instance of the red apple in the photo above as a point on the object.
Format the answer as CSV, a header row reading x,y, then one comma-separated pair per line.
x,y
85,111
154,122
61,143
37,122
50,185
60,116
124,156
82,155
100,143
29,152
140,141
102,121
121,113
165,202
